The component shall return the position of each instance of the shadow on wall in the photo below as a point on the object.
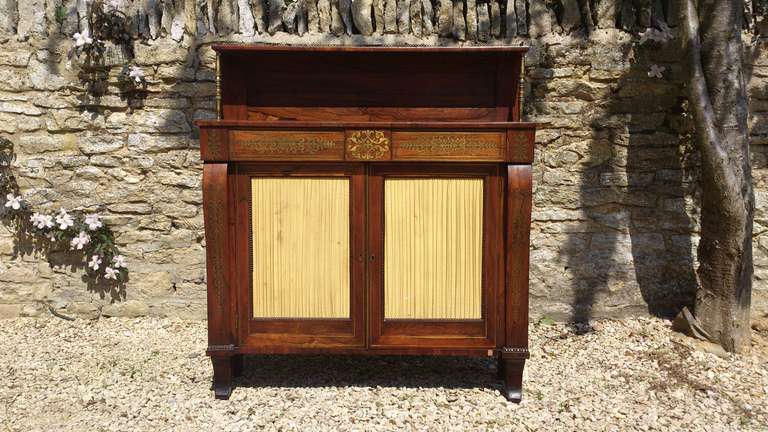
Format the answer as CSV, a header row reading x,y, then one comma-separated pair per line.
x,y
632,230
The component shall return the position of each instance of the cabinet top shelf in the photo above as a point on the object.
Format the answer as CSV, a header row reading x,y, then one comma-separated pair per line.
x,y
239,48
255,124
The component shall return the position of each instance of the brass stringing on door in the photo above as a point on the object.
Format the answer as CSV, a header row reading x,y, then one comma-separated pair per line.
x,y
433,248
300,240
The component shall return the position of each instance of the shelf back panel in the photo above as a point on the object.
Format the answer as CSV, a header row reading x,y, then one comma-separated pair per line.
x,y
370,86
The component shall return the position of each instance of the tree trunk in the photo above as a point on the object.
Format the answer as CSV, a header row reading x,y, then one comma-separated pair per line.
x,y
712,32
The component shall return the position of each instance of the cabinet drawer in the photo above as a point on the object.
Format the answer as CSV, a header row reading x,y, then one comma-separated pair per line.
x,y
449,145
286,145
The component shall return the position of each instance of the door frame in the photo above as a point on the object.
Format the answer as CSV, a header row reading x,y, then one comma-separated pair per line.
x,y
266,333
414,333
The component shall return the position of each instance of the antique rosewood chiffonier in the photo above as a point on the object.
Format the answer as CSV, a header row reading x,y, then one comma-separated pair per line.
x,y
367,200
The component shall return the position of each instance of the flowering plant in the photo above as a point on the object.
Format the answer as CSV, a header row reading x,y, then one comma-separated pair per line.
x,y
104,24
82,233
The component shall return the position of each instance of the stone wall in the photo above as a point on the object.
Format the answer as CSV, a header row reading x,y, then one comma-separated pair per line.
x,y
615,215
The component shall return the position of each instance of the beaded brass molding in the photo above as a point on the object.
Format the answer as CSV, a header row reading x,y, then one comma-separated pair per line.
x,y
515,352
367,144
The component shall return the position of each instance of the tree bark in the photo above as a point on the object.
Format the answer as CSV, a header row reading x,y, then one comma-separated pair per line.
x,y
712,34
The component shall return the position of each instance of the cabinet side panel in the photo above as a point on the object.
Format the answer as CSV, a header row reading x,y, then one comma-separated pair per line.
x,y
301,243
433,248
519,196
216,215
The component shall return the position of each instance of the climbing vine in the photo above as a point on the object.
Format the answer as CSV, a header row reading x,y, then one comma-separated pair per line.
x,y
110,32
82,233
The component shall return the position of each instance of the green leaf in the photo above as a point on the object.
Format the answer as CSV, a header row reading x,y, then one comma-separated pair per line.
x,y
545,321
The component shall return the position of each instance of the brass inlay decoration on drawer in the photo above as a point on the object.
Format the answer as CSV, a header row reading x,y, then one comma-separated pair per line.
x,y
433,248
448,145
294,145
367,145
300,247
519,143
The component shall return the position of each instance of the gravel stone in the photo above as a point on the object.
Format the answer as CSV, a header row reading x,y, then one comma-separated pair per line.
x,y
122,374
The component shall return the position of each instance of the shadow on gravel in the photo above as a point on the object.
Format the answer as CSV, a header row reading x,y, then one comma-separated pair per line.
x,y
379,371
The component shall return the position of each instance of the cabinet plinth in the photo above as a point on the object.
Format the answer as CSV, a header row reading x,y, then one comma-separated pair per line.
x,y
376,209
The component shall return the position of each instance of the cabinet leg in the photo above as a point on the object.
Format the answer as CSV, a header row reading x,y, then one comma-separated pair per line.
x,y
222,376
237,365
500,368
513,379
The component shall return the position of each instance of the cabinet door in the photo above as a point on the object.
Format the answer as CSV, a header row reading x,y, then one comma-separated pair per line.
x,y
435,255
300,256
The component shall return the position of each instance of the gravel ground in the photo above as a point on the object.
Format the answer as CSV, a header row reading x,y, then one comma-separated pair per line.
x,y
151,375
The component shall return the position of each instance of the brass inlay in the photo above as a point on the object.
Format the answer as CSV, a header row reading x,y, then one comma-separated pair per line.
x,y
215,238
215,142
286,144
300,247
433,248
367,144
449,143
520,145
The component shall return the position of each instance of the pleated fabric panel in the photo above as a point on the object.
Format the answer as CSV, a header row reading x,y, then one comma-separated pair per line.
x,y
300,244
433,248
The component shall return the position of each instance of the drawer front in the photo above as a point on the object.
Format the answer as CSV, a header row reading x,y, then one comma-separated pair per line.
x,y
449,145
287,145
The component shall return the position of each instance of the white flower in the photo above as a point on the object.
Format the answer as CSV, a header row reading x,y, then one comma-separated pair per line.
x,y
115,4
64,220
110,273
81,240
662,35
93,221
42,221
82,38
12,201
95,262
118,261
656,71
136,74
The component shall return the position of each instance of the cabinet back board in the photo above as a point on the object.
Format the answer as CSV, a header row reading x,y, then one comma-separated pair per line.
x,y
370,85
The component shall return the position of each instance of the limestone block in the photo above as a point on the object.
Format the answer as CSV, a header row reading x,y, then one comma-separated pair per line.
x,y
415,17
246,24
483,22
31,15
495,12
445,17
471,16
345,10
361,14
427,17
257,12
378,16
276,10
9,15
390,16
324,14
337,24
97,144
403,16
459,25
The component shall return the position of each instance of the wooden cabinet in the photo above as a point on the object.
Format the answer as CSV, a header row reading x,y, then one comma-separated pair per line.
x,y
367,201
